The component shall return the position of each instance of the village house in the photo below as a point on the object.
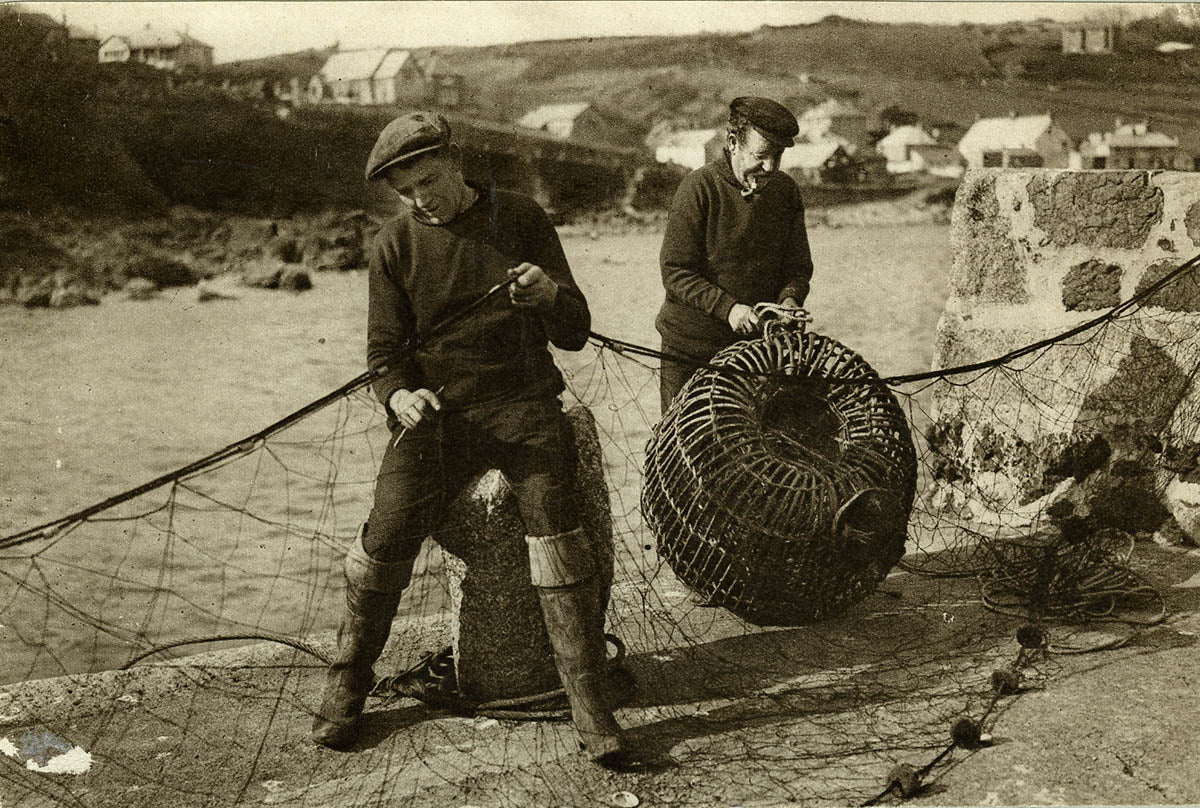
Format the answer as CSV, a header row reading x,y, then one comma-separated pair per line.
x,y
1026,141
897,144
1130,145
824,163
284,77
937,159
373,76
397,79
1089,38
165,50
54,37
835,120
583,121
685,147
369,76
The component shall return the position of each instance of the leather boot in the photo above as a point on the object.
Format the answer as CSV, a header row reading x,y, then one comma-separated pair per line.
x,y
569,593
373,591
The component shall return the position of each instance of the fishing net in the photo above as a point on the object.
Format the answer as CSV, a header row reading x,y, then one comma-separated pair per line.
x,y
893,676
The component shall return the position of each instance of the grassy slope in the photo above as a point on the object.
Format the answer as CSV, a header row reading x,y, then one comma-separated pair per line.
x,y
954,73
99,137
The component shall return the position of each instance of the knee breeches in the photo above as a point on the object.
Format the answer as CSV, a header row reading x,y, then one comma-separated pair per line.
x,y
530,442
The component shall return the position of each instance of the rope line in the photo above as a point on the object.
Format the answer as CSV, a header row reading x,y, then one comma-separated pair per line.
x,y
1116,312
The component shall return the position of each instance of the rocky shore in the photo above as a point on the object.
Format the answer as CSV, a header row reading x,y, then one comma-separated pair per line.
x,y
59,261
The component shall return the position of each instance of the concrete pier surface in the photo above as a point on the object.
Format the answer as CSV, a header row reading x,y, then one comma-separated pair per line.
x,y
726,714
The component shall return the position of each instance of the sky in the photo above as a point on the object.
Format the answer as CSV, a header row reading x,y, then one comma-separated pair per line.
x,y
244,30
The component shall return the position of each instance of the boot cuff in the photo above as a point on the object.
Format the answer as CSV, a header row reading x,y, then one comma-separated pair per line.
x,y
560,560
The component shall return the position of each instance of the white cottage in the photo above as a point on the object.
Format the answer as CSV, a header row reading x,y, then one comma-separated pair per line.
x,y
896,147
685,147
1030,141
165,50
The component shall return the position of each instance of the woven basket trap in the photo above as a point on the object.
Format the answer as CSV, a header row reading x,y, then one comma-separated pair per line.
x,y
785,500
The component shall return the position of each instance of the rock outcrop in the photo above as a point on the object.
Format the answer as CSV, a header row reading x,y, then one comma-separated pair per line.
x,y
501,647
36,272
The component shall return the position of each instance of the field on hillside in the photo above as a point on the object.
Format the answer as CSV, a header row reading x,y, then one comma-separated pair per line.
x,y
939,72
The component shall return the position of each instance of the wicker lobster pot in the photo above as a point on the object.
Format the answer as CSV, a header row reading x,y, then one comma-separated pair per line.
x,y
785,500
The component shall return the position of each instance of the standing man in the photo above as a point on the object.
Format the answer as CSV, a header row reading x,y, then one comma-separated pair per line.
x,y
480,392
735,237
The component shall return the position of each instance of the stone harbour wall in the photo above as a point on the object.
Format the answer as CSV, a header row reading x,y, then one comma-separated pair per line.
x,y
1111,413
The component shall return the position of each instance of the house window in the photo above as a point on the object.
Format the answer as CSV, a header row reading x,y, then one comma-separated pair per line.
x,y
1025,161
993,159
1099,162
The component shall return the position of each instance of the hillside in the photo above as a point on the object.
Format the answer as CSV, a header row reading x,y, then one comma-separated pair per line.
x,y
940,72
118,137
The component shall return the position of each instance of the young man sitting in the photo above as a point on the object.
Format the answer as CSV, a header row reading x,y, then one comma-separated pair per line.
x,y
480,393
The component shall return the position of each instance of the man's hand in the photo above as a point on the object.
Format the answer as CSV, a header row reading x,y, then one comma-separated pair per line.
x,y
534,289
742,319
412,406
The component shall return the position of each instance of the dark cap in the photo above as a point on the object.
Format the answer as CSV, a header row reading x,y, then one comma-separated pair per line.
x,y
772,120
411,134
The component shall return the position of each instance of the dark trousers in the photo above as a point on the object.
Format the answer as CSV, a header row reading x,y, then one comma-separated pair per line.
x,y
673,375
422,471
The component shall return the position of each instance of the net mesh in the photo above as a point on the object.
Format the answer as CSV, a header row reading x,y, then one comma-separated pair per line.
x,y
1004,574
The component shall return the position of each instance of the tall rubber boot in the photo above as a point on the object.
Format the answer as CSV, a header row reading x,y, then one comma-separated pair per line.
x,y
562,570
373,591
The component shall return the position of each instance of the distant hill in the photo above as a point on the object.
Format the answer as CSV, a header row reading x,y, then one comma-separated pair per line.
x,y
54,147
280,68
117,136
950,73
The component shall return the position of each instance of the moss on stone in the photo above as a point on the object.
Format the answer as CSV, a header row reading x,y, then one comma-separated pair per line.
x,y
1182,294
1096,208
1092,285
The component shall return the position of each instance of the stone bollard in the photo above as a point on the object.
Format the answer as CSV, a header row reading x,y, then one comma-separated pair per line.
x,y
1037,252
500,645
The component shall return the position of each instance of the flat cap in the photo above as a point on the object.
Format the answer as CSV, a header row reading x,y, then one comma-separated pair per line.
x,y
772,120
411,134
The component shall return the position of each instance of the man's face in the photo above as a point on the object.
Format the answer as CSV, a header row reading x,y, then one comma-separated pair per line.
x,y
754,160
431,185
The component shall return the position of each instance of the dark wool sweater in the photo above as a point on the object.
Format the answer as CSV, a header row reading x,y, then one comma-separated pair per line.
x,y
421,273
721,248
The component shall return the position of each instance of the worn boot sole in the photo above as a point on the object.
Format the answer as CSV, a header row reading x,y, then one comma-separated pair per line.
x,y
335,735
